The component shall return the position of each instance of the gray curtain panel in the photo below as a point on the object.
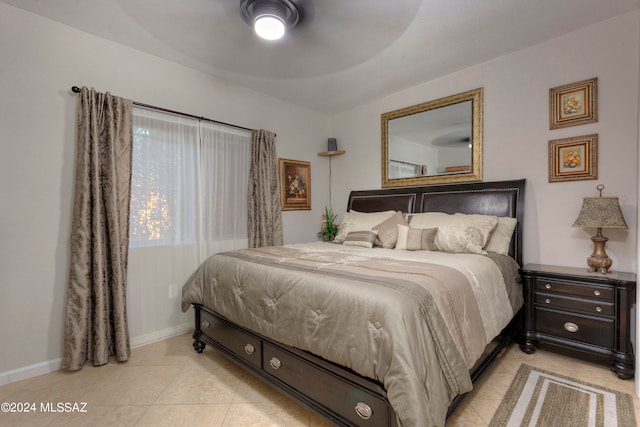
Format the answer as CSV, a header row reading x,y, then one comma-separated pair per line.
x,y
264,216
96,319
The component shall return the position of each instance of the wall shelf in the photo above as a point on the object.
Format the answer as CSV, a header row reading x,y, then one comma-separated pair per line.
x,y
331,153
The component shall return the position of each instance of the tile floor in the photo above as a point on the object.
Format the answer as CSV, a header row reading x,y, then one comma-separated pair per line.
x,y
168,384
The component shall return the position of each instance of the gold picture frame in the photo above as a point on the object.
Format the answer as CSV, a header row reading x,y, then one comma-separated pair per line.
x,y
573,104
573,159
295,184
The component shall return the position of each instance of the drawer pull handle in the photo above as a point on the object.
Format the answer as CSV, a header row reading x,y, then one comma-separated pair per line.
x,y
363,410
249,349
571,327
548,301
275,363
204,324
596,292
547,286
599,309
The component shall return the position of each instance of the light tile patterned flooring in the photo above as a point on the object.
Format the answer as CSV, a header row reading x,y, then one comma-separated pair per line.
x,y
168,384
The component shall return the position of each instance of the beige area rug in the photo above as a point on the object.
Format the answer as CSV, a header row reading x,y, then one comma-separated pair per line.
x,y
543,399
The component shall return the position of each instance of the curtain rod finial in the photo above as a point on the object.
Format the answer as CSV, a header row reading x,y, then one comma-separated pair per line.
x,y
75,89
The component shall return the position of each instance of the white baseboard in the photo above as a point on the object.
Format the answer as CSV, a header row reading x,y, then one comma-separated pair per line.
x,y
30,371
56,364
162,334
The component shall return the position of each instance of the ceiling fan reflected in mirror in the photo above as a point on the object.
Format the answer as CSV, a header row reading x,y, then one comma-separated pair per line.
x,y
270,18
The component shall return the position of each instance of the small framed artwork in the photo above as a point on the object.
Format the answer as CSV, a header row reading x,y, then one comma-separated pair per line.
x,y
573,104
573,159
295,184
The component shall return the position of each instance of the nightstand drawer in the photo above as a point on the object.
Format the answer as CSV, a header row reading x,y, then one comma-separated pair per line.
x,y
596,308
587,329
575,289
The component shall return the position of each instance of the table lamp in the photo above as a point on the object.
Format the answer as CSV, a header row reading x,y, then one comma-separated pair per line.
x,y
600,212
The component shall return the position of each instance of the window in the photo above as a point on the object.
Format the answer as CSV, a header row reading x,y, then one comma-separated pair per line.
x,y
189,181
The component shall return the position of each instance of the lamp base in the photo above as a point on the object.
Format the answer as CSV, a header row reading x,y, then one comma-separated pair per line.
x,y
599,261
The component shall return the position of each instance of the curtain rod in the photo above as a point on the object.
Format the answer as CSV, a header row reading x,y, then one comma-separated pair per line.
x,y
76,89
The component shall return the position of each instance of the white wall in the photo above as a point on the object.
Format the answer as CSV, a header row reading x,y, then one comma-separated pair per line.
x,y
516,135
41,60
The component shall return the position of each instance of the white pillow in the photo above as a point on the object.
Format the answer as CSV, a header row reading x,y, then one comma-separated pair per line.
x,y
429,219
360,221
500,238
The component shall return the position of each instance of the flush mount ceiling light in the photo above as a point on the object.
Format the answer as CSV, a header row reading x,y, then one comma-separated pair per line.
x,y
269,18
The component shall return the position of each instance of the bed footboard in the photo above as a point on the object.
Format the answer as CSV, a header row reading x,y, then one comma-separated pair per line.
x,y
334,392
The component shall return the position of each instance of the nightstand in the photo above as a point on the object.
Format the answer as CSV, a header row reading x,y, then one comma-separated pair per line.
x,y
575,309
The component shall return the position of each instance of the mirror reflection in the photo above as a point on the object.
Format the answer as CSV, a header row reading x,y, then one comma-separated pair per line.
x,y
434,142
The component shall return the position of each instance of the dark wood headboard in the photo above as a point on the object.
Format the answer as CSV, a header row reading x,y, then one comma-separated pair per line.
x,y
499,198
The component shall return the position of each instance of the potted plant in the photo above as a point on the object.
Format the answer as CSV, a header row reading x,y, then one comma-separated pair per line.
x,y
329,227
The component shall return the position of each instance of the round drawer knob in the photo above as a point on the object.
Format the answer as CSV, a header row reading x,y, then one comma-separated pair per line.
x,y
363,410
547,301
204,324
599,309
571,327
275,363
249,349
547,286
596,292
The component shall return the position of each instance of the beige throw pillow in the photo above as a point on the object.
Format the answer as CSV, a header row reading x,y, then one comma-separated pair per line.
x,y
416,239
388,230
364,239
360,221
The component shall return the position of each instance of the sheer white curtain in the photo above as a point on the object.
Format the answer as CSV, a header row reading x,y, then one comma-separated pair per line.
x,y
224,177
188,201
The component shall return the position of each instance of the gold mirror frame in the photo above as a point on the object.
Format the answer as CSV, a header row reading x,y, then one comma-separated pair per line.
x,y
475,96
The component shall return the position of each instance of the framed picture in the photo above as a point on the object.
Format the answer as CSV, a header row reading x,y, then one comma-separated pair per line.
x,y
295,184
573,159
573,104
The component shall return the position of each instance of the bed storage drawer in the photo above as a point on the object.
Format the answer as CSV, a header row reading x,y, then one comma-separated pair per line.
x,y
241,343
350,401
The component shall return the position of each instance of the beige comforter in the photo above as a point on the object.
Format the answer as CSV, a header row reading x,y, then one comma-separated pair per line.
x,y
414,321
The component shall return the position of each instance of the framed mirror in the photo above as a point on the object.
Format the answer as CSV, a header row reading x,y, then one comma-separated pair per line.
x,y
436,142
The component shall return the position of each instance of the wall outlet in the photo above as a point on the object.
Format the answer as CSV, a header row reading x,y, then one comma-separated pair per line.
x,y
173,291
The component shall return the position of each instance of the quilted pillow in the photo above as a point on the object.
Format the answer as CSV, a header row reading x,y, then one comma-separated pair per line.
x,y
388,230
361,238
360,221
416,239
469,235
500,238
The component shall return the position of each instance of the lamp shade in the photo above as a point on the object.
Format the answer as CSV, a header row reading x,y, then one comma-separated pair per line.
x,y
600,212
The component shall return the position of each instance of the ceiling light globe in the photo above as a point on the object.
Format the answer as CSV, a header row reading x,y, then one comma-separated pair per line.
x,y
269,27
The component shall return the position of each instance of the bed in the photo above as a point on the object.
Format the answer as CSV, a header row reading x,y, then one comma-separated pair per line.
x,y
350,331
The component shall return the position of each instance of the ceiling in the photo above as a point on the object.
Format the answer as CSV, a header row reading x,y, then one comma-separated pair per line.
x,y
343,53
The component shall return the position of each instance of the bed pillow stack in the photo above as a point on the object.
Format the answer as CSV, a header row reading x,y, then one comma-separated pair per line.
x,y
462,233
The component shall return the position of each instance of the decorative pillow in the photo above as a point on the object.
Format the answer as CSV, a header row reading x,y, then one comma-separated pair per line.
x,y
360,221
500,238
388,230
465,236
429,219
416,239
361,238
